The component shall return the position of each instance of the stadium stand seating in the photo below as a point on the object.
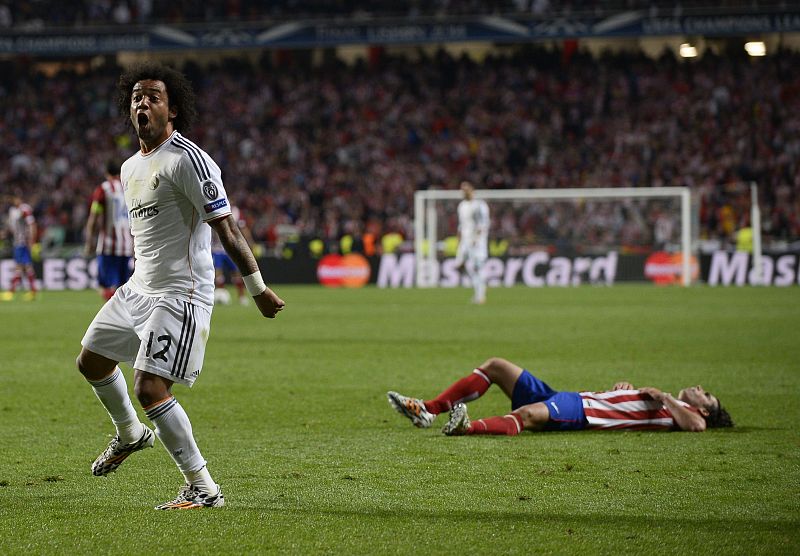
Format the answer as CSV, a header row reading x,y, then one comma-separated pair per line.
x,y
323,151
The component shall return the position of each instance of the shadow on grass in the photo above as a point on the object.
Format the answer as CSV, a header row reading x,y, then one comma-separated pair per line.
x,y
528,515
746,430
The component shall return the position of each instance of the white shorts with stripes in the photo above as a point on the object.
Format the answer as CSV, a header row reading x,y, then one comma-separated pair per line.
x,y
163,336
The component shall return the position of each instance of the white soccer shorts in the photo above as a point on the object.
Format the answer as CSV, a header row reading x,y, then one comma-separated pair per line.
x,y
163,336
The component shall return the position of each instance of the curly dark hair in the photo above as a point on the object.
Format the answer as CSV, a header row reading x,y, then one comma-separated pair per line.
x,y
718,417
180,94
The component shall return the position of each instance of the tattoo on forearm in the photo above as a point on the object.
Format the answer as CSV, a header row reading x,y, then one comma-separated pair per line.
x,y
239,252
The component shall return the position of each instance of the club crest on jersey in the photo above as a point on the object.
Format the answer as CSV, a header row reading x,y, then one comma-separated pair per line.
x,y
153,182
210,190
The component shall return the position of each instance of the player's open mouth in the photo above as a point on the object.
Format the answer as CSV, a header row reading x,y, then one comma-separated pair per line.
x,y
143,119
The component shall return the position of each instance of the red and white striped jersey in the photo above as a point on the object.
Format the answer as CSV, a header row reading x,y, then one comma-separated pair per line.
x,y
626,409
19,220
115,234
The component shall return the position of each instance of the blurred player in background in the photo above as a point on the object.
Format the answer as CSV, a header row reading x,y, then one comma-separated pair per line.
x,y
224,267
473,239
537,407
108,233
22,226
160,319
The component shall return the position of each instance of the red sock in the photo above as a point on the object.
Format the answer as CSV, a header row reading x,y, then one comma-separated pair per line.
x,y
32,281
15,281
466,389
510,425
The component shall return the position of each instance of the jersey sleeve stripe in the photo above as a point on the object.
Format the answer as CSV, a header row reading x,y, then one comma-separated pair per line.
x,y
200,154
197,169
194,148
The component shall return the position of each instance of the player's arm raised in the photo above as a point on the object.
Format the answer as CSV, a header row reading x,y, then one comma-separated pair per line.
x,y
685,418
236,246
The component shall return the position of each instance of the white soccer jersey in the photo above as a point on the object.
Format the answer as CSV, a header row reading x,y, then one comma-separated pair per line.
x,y
115,234
171,192
473,225
626,409
19,220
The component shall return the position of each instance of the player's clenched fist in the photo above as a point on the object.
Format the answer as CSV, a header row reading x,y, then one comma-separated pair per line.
x,y
269,303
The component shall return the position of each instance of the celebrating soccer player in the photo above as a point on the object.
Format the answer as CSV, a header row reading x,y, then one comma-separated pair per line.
x,y
108,233
536,406
159,320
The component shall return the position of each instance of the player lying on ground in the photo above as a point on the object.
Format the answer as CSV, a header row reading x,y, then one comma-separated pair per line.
x,y
536,406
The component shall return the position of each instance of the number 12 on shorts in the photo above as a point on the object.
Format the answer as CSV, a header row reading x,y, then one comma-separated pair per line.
x,y
164,339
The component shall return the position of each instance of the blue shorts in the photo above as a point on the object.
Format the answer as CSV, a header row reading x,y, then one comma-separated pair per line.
x,y
22,255
223,262
566,408
113,270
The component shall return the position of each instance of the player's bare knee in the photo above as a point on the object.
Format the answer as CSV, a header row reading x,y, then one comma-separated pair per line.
x,y
534,416
79,363
146,394
495,368
525,414
149,389
94,367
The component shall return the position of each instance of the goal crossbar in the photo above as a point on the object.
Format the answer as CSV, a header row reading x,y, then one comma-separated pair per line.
x,y
425,217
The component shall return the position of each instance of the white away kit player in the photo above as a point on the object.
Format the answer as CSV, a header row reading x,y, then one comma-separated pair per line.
x,y
159,321
473,239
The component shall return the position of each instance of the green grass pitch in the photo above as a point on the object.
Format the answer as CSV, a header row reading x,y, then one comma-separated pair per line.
x,y
292,416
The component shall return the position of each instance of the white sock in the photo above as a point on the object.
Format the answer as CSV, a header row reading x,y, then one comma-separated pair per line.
x,y
202,480
174,430
112,392
480,288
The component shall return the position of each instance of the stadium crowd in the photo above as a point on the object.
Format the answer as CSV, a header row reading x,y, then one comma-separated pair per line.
x,y
320,152
38,14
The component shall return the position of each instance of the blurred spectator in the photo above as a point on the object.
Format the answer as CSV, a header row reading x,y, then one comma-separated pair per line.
x,y
320,153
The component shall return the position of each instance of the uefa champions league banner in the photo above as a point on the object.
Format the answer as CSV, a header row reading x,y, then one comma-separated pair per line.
x,y
539,269
310,34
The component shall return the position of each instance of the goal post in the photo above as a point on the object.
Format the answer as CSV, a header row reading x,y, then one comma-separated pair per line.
x,y
755,225
426,225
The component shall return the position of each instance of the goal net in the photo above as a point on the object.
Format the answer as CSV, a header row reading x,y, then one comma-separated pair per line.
x,y
562,236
